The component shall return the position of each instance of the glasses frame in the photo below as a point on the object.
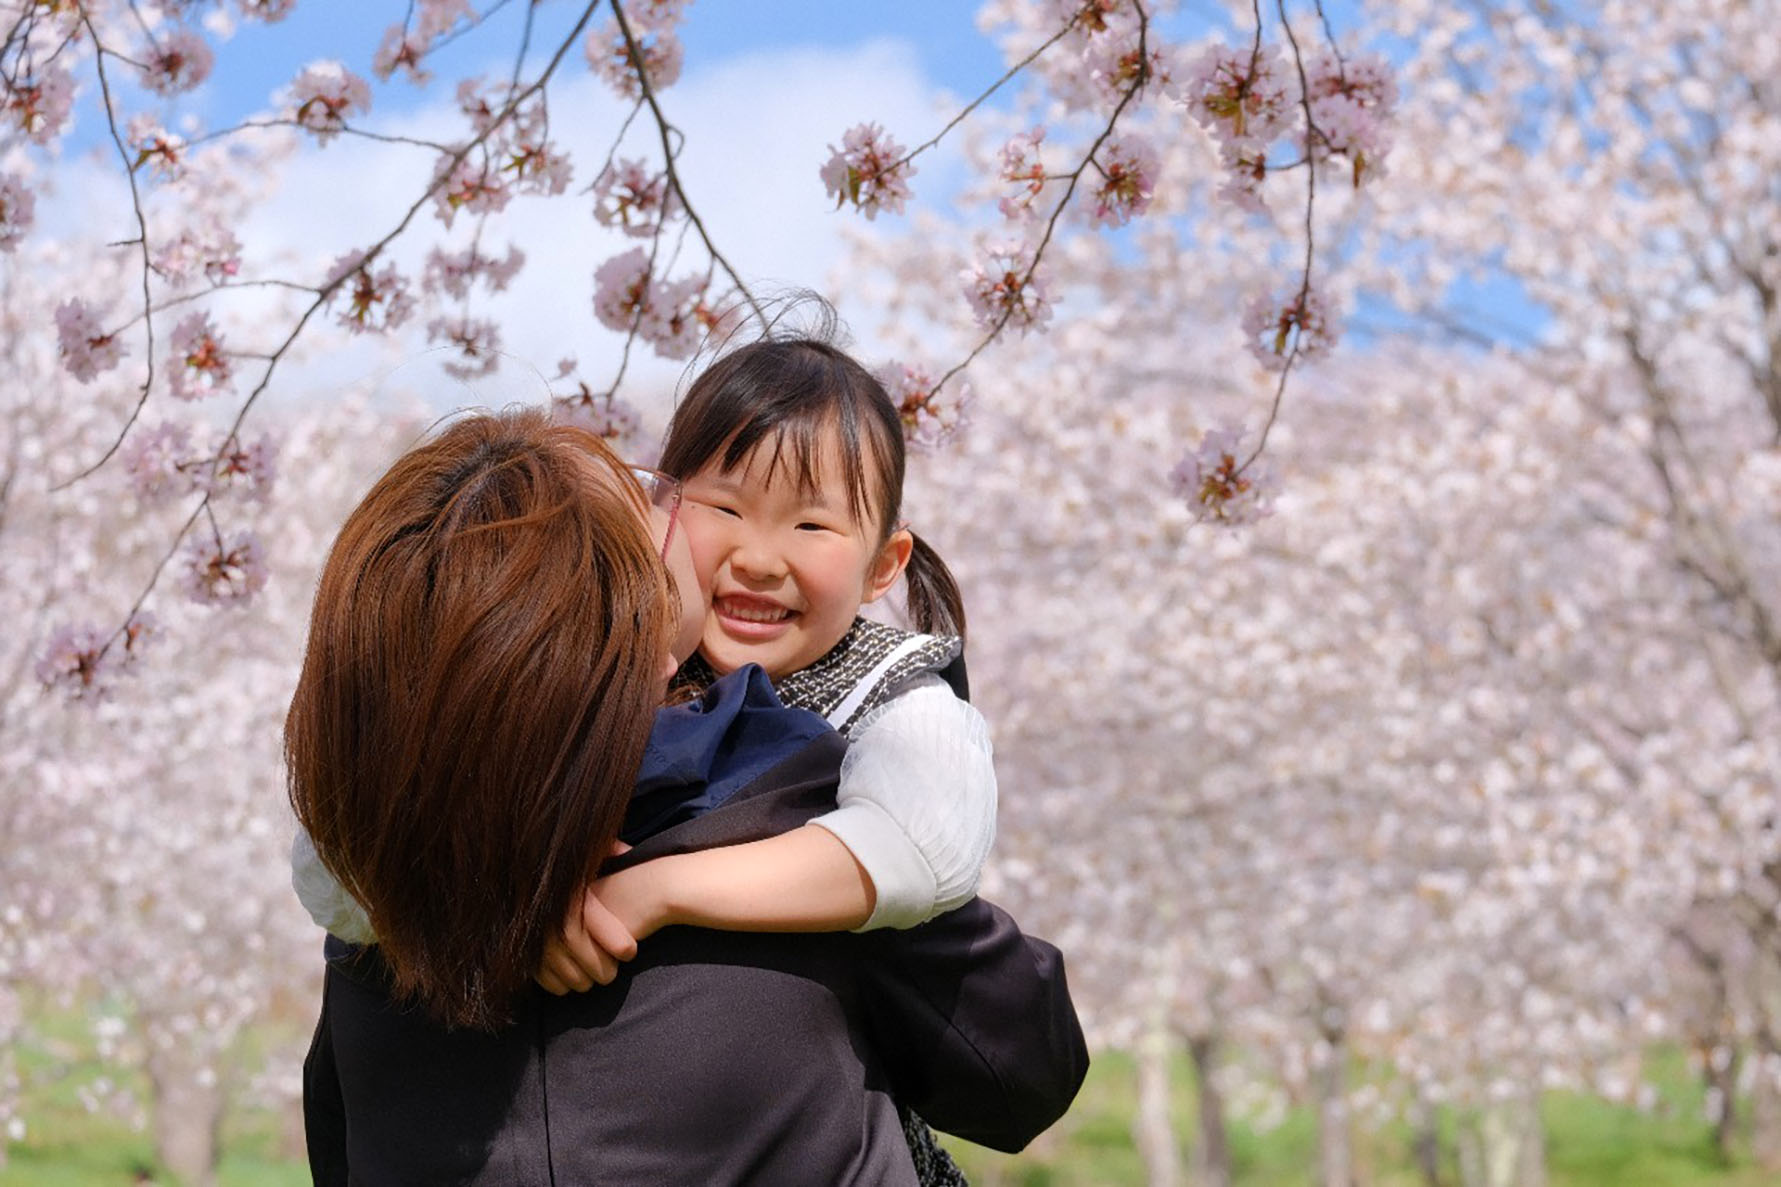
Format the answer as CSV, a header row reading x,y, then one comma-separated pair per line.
x,y
661,491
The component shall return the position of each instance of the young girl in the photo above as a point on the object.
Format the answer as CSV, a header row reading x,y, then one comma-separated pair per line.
x,y
792,459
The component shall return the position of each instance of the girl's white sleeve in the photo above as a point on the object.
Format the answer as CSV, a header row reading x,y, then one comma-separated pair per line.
x,y
328,903
917,802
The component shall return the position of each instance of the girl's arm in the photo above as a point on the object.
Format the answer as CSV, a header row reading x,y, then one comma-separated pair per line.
x,y
334,910
915,819
917,803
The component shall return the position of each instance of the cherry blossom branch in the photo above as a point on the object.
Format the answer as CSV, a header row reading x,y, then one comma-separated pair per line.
x,y
965,112
148,325
666,131
1140,77
1311,132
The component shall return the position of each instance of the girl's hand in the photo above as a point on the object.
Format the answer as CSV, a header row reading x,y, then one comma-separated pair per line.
x,y
588,950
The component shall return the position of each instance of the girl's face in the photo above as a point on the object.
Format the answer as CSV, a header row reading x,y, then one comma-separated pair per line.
x,y
787,570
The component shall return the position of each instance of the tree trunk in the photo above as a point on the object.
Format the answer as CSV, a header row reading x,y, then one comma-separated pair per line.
x,y
1425,1141
1153,1129
1212,1154
1335,1137
1504,1145
1722,1090
1765,1108
188,1112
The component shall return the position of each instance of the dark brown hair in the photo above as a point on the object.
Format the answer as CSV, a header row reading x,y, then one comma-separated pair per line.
x,y
483,665
792,391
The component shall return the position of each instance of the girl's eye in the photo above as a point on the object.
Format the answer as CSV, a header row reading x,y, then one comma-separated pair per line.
x,y
808,526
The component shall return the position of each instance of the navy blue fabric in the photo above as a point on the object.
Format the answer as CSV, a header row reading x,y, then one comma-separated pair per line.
x,y
703,752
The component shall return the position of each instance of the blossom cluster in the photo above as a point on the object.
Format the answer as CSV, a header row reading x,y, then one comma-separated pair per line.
x,y
85,346
1218,486
1300,328
1005,289
1022,165
153,145
199,365
18,208
453,273
178,62
673,316
405,46
476,341
1127,166
324,95
83,663
652,24
930,418
375,301
218,572
603,414
870,171
161,462
634,198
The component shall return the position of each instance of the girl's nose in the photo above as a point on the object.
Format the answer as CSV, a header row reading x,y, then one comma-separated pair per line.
x,y
756,559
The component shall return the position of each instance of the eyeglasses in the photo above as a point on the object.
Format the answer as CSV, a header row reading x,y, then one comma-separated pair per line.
x,y
663,493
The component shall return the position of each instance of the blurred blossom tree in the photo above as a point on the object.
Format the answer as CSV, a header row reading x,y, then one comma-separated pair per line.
x,y
1466,760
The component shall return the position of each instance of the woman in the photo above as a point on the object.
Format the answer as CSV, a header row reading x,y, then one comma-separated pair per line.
x,y
492,634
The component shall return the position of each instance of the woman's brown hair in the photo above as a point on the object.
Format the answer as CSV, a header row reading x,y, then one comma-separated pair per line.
x,y
483,665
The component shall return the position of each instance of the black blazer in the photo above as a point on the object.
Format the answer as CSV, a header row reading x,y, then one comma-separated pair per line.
x,y
715,1057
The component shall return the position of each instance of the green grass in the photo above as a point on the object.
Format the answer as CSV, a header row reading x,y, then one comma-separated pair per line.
x,y
1591,1143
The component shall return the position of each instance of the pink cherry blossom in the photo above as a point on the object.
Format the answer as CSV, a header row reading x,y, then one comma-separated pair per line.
x,y
1022,165
1218,487
1300,327
1127,167
1239,93
868,171
1004,290
402,50
179,61
211,249
75,662
930,420
86,348
476,340
634,197
40,107
324,95
470,184
18,206
621,289
537,167
83,663
234,468
675,318
375,301
198,366
153,145
1246,170
269,11
605,415
217,572
610,58
1351,100
655,16
440,16
158,461
454,272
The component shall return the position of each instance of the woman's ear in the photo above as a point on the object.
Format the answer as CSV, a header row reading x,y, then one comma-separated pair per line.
x,y
888,565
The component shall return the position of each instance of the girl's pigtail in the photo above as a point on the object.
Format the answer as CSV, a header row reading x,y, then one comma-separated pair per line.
x,y
934,602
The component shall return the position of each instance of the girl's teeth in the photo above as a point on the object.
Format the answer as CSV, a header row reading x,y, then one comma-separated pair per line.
x,y
750,614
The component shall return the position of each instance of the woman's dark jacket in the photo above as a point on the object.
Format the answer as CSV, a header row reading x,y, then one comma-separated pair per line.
x,y
715,1057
